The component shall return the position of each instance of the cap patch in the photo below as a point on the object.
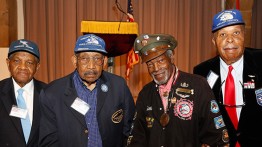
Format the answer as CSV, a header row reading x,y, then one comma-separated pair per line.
x,y
226,18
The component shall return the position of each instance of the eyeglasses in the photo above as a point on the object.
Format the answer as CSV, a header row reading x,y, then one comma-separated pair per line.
x,y
97,60
220,99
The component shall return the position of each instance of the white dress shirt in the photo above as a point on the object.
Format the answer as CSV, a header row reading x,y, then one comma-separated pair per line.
x,y
237,74
28,95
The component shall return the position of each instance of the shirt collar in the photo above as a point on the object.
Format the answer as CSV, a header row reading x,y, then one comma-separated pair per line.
x,y
236,65
28,87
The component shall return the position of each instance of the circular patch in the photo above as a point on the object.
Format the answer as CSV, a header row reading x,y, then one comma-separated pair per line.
x,y
104,88
214,107
183,109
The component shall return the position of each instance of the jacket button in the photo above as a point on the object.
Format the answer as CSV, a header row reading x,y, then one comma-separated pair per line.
x,y
86,131
238,134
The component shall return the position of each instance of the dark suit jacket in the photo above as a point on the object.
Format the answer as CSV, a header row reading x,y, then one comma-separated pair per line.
x,y
11,132
249,127
63,126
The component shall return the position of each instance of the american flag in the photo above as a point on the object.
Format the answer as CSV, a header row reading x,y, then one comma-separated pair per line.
x,y
237,4
132,57
130,11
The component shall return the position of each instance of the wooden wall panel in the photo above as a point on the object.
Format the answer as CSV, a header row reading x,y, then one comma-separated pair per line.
x,y
246,10
8,22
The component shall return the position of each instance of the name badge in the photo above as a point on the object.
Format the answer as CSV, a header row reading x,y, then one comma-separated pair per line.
x,y
80,106
18,112
212,78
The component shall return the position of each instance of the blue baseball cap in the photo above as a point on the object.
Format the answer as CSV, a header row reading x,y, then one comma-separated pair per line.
x,y
90,43
227,18
24,45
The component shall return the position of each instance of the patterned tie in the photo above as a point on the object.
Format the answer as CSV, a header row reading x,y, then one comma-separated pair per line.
x,y
25,122
230,99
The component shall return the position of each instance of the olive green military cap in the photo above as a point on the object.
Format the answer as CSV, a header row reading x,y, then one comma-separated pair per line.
x,y
150,46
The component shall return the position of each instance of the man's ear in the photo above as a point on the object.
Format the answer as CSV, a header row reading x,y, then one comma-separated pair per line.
x,y
105,65
213,41
73,59
214,38
37,66
7,63
172,57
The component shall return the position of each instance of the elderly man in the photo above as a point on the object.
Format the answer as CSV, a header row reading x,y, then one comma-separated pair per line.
x,y
90,107
236,79
176,108
19,97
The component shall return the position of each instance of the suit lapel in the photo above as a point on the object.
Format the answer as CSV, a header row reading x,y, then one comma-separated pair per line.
x,y
249,69
70,95
9,100
219,95
249,74
215,67
156,104
36,111
217,90
102,95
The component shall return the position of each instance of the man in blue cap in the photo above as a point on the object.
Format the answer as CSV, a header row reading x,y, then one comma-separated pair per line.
x,y
90,107
236,79
19,96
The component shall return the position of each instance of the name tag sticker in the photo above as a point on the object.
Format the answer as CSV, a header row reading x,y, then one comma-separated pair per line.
x,y
18,112
80,106
212,78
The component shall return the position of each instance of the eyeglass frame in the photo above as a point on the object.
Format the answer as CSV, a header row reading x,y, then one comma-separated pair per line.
x,y
221,101
88,59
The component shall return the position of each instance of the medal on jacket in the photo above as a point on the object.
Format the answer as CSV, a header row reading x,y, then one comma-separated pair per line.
x,y
164,119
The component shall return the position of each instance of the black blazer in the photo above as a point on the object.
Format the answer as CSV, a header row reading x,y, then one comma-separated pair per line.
x,y
249,127
63,126
11,132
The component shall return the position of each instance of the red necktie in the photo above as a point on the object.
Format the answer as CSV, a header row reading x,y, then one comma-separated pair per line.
x,y
229,99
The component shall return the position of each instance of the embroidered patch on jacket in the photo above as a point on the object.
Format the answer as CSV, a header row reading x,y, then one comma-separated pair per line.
x,y
183,109
129,139
184,92
118,116
259,96
214,107
225,136
219,122
249,85
150,121
149,108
